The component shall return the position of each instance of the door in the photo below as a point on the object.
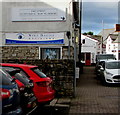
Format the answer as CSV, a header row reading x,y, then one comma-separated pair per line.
x,y
88,59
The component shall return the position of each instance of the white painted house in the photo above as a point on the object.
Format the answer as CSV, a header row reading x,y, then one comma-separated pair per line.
x,y
89,49
113,45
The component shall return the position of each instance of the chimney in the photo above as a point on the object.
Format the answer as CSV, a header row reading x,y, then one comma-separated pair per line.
x,y
117,27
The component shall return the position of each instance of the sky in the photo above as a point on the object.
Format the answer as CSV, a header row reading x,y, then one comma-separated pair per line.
x,y
94,12
99,15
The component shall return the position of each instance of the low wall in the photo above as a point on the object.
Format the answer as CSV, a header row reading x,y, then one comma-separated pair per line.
x,y
62,71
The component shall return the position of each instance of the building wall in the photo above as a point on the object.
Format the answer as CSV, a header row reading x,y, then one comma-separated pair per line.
x,y
20,52
112,48
35,26
90,46
25,27
30,52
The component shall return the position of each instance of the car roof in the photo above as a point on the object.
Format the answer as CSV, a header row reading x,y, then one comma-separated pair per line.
x,y
113,61
105,60
104,54
17,65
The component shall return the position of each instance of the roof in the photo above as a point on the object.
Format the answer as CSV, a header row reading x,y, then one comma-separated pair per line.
x,y
96,37
88,37
113,61
113,36
106,32
117,40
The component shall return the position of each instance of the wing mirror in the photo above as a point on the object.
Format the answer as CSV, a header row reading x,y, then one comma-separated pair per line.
x,y
102,69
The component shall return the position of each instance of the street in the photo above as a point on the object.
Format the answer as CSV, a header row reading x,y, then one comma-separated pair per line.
x,y
91,98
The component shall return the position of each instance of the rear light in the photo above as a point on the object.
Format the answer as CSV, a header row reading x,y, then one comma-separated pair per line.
x,y
5,93
43,84
29,105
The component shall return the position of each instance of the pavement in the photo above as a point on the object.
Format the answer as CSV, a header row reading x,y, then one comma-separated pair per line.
x,y
92,98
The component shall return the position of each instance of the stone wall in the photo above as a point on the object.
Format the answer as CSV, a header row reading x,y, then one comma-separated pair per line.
x,y
20,52
28,52
62,72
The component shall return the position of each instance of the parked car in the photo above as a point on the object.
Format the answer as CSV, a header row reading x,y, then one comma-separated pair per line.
x,y
104,57
110,72
101,58
28,100
10,96
43,89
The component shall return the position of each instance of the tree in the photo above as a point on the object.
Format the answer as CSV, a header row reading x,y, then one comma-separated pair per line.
x,y
84,33
88,33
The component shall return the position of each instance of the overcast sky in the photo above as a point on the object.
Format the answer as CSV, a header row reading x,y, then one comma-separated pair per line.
x,y
93,13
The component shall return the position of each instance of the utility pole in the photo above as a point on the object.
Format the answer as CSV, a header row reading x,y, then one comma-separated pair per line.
x,y
80,24
68,34
102,37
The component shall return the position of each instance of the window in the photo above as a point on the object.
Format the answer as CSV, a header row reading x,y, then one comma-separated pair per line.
x,y
119,56
6,79
83,56
50,53
83,41
39,72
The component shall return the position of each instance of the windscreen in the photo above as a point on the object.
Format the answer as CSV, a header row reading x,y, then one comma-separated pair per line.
x,y
113,65
100,57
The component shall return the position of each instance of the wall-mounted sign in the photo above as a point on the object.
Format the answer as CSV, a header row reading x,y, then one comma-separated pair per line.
x,y
38,14
34,38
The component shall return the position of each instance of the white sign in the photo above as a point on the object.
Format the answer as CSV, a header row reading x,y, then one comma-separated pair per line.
x,y
77,72
38,14
34,38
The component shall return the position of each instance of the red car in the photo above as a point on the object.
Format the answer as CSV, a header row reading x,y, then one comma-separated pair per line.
x,y
42,84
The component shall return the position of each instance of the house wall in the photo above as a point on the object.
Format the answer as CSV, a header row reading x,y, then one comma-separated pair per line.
x,y
109,46
90,46
115,50
112,48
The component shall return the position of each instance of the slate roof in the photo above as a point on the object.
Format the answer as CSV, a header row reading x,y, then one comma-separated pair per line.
x,y
106,32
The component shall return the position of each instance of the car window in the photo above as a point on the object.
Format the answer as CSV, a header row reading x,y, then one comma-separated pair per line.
x,y
22,78
99,57
21,70
113,65
39,72
6,79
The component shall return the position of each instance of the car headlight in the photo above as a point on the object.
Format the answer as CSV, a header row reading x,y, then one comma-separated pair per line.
x,y
108,73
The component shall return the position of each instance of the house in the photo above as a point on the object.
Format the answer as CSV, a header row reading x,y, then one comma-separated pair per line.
x,y
89,49
108,34
113,42
113,45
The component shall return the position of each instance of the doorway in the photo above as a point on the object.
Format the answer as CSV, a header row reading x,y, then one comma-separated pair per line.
x,y
88,59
